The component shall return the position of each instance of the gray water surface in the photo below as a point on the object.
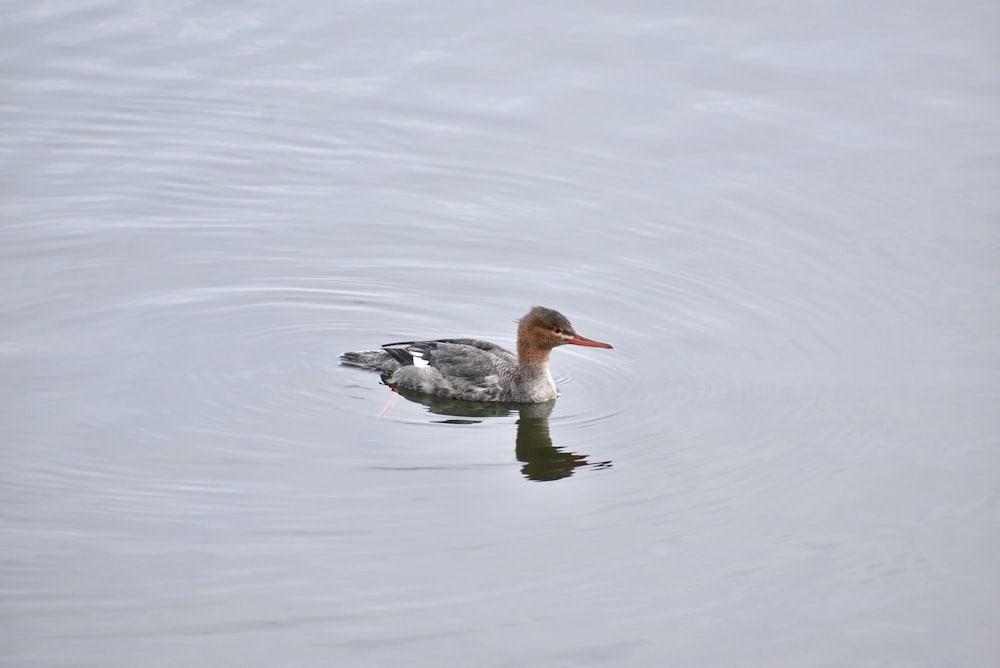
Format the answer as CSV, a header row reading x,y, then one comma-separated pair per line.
x,y
785,217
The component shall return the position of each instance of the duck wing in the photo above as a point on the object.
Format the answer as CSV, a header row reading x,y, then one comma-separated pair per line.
x,y
463,358
469,369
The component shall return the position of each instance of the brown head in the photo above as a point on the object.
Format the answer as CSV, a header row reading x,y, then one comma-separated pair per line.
x,y
542,329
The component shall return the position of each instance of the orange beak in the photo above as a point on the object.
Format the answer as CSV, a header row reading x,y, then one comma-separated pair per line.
x,y
578,340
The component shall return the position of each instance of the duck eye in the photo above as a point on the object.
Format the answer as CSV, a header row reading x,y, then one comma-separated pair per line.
x,y
557,330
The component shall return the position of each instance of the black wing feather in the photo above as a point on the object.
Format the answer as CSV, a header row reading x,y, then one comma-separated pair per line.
x,y
441,354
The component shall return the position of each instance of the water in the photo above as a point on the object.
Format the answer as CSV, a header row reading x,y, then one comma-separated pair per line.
x,y
785,217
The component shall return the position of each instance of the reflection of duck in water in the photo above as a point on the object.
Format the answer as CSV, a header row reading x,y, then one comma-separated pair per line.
x,y
474,370
542,460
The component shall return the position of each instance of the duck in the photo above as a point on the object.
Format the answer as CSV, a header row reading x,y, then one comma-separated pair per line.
x,y
475,370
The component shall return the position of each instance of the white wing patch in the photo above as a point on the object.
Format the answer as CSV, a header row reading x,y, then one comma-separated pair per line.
x,y
418,359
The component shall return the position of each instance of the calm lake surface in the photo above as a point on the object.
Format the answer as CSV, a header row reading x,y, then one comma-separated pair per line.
x,y
785,217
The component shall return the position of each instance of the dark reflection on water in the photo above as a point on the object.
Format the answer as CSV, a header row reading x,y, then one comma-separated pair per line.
x,y
533,447
543,460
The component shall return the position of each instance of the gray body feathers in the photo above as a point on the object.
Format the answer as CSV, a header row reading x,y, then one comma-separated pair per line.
x,y
468,369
